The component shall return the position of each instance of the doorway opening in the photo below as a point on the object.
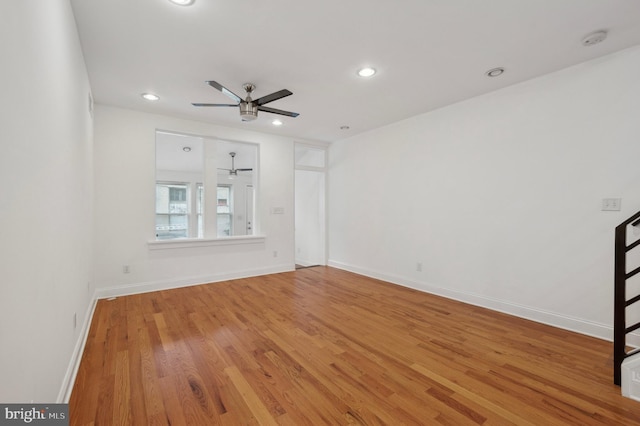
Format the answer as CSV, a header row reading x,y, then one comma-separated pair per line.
x,y
310,209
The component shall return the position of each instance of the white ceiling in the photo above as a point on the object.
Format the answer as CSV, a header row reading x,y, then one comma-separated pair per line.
x,y
428,53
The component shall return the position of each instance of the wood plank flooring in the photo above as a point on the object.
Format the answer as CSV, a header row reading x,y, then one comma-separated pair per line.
x,y
323,346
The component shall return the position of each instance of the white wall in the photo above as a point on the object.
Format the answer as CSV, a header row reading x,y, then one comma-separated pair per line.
x,y
46,207
499,196
125,200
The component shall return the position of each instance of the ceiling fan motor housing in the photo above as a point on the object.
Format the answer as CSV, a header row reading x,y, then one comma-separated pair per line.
x,y
248,111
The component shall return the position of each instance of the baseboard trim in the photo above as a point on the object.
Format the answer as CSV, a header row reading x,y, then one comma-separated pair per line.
x,y
578,325
146,287
74,364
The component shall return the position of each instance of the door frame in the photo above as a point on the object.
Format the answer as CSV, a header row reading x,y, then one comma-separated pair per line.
x,y
323,170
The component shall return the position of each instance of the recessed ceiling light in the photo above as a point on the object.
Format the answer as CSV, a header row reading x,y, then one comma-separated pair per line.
x,y
276,122
150,96
366,72
182,2
186,148
495,72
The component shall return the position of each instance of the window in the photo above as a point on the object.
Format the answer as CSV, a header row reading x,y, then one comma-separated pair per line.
x,y
175,217
172,211
186,166
309,156
224,213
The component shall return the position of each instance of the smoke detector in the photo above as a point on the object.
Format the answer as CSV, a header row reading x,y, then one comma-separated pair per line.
x,y
494,72
594,38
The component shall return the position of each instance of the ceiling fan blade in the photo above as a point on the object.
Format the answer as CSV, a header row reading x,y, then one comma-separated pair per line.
x,y
272,97
278,111
213,105
224,90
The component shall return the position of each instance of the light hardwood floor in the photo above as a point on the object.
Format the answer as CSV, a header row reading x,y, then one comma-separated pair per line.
x,y
322,346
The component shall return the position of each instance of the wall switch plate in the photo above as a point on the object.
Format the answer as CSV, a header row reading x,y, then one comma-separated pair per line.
x,y
611,204
277,210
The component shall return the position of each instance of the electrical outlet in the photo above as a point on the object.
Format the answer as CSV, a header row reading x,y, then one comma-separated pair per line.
x,y
275,253
126,269
419,266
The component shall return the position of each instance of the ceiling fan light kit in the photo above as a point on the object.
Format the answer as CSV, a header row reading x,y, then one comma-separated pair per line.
x,y
248,107
248,112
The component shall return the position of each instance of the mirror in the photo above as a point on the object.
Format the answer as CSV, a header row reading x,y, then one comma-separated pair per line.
x,y
205,188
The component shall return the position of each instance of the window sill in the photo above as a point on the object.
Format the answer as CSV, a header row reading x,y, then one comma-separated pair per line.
x,y
180,243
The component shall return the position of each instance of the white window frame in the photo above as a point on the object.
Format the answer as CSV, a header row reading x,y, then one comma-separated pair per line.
x,y
229,214
188,201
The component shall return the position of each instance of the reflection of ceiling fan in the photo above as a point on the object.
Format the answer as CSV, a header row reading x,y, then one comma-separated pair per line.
x,y
233,172
248,107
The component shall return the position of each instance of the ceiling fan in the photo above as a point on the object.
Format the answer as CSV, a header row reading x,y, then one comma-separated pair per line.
x,y
233,172
249,107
